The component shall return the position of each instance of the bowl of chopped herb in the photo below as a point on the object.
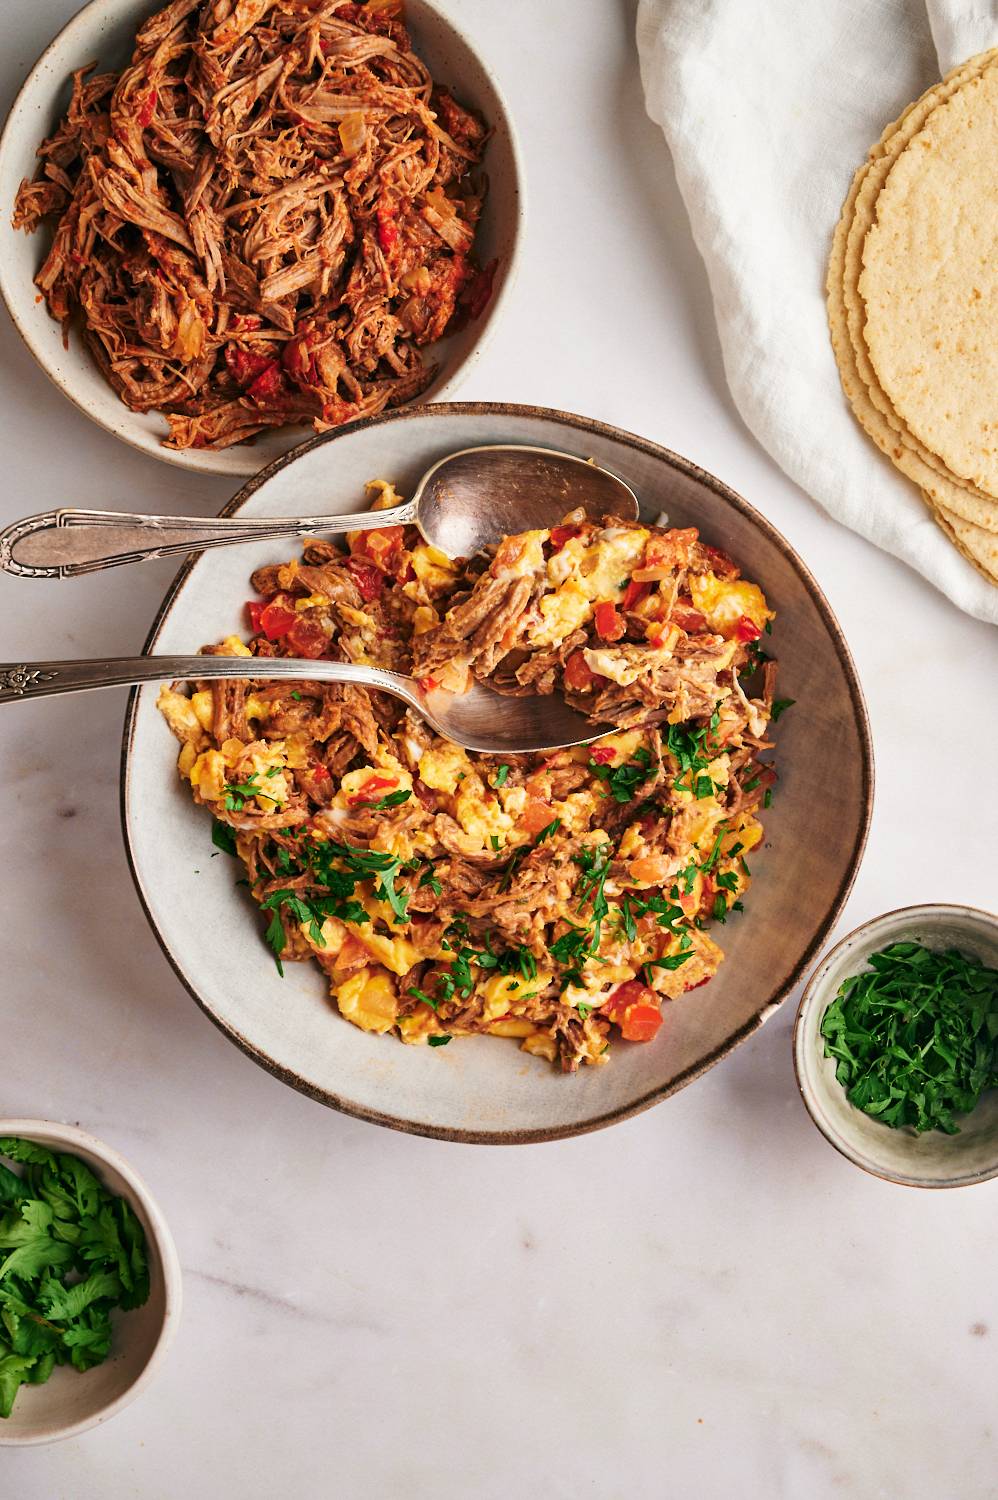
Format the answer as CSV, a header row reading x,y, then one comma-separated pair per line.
x,y
90,1287
896,1046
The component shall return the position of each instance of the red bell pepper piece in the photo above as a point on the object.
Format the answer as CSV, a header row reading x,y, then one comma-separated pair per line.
x,y
746,629
634,593
579,676
275,621
602,755
609,625
307,639
562,534
369,579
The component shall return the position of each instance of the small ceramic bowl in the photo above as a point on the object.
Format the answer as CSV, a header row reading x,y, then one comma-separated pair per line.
x,y
930,1160
104,30
68,1403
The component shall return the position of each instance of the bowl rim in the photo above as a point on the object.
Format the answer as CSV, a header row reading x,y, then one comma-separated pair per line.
x,y
808,999
653,1096
195,460
76,1139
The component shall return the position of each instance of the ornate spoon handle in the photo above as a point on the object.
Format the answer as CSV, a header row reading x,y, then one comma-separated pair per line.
x,y
66,543
42,679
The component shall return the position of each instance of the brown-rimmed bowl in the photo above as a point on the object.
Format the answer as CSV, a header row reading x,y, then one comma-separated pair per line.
x,y
932,1159
104,31
482,1089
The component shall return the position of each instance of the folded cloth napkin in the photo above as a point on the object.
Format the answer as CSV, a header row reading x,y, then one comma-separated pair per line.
x,y
769,106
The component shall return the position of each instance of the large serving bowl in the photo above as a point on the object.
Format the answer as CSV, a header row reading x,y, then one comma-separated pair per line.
x,y
482,1089
105,31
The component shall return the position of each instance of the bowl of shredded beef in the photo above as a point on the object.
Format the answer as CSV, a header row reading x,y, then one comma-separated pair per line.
x,y
253,220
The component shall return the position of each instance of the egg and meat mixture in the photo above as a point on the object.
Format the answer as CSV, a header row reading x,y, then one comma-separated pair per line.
x,y
560,899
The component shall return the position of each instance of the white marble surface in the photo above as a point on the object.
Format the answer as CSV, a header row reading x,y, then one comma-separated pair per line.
x,y
703,1302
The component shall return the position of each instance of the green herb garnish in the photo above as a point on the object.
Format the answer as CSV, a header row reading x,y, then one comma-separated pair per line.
x,y
223,837
394,799
549,831
70,1251
914,1036
780,707
501,776
623,781
439,1041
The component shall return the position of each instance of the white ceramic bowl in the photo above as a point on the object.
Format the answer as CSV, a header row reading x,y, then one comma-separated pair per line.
x,y
105,30
930,1160
68,1403
481,1089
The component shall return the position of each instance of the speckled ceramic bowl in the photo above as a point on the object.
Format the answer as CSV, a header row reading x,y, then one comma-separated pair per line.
x,y
105,31
481,1089
68,1403
930,1160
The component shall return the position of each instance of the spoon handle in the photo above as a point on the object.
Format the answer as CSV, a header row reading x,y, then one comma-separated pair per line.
x,y
67,543
43,679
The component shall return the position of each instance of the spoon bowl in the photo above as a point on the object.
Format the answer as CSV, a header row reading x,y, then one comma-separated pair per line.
x,y
467,500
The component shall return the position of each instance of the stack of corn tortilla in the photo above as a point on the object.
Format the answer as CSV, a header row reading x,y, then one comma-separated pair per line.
x,y
913,302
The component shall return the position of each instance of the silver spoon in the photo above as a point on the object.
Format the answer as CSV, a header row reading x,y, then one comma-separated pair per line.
x,y
480,719
464,502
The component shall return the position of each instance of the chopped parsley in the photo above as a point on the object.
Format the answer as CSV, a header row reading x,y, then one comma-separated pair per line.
x,y
422,995
623,781
501,775
394,799
223,837
238,793
915,1036
780,707
549,831
439,1041
71,1251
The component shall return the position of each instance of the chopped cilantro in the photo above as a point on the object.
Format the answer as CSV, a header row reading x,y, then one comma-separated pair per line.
x,y
780,707
549,831
394,799
501,775
223,837
439,1041
623,781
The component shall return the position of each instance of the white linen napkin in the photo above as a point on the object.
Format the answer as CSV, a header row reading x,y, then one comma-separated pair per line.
x,y
769,106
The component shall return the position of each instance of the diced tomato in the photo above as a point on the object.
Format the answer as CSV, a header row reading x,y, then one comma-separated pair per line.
x,y
579,676
609,624
245,323
254,609
632,992
381,546
635,592
369,579
373,790
387,230
244,366
269,387
479,293
687,618
319,772
296,357
640,1023
148,109
307,638
602,755
428,683
705,980
746,629
536,815
720,562
562,534
275,621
